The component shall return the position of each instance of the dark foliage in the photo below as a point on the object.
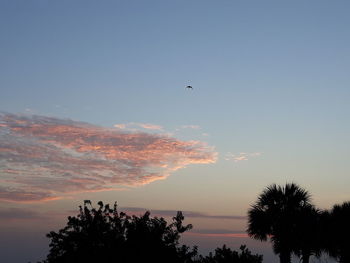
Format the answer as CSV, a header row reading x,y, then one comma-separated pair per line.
x,y
106,235
282,214
337,225
308,233
226,255
275,215
294,225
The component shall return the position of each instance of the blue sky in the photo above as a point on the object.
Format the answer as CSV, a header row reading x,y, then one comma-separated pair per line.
x,y
270,83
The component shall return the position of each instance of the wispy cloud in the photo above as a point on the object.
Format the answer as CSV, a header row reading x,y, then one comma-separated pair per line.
x,y
151,126
190,214
19,213
241,156
188,126
217,233
195,127
236,235
43,158
135,126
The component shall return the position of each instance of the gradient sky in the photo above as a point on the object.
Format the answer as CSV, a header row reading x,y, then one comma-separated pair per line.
x,y
93,106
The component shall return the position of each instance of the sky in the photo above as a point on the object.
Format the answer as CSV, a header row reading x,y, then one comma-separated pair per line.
x,y
93,105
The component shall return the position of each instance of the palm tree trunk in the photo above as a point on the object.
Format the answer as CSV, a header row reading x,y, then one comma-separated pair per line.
x,y
305,257
285,257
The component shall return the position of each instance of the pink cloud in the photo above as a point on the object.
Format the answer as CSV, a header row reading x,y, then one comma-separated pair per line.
x,y
151,126
43,158
120,126
134,126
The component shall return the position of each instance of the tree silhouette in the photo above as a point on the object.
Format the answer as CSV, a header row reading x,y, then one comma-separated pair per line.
x,y
338,232
105,235
275,215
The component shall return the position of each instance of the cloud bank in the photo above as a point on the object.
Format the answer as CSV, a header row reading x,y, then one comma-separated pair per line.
x,y
43,158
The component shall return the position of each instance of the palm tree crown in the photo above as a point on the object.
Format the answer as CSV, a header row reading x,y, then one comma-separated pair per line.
x,y
275,215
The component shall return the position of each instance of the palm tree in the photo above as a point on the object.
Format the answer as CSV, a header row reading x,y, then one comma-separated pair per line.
x,y
275,215
338,235
308,233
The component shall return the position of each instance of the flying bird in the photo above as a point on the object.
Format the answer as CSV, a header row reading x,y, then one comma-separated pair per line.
x,y
189,87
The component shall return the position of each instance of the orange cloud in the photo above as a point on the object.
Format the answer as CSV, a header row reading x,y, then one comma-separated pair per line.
x,y
43,158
